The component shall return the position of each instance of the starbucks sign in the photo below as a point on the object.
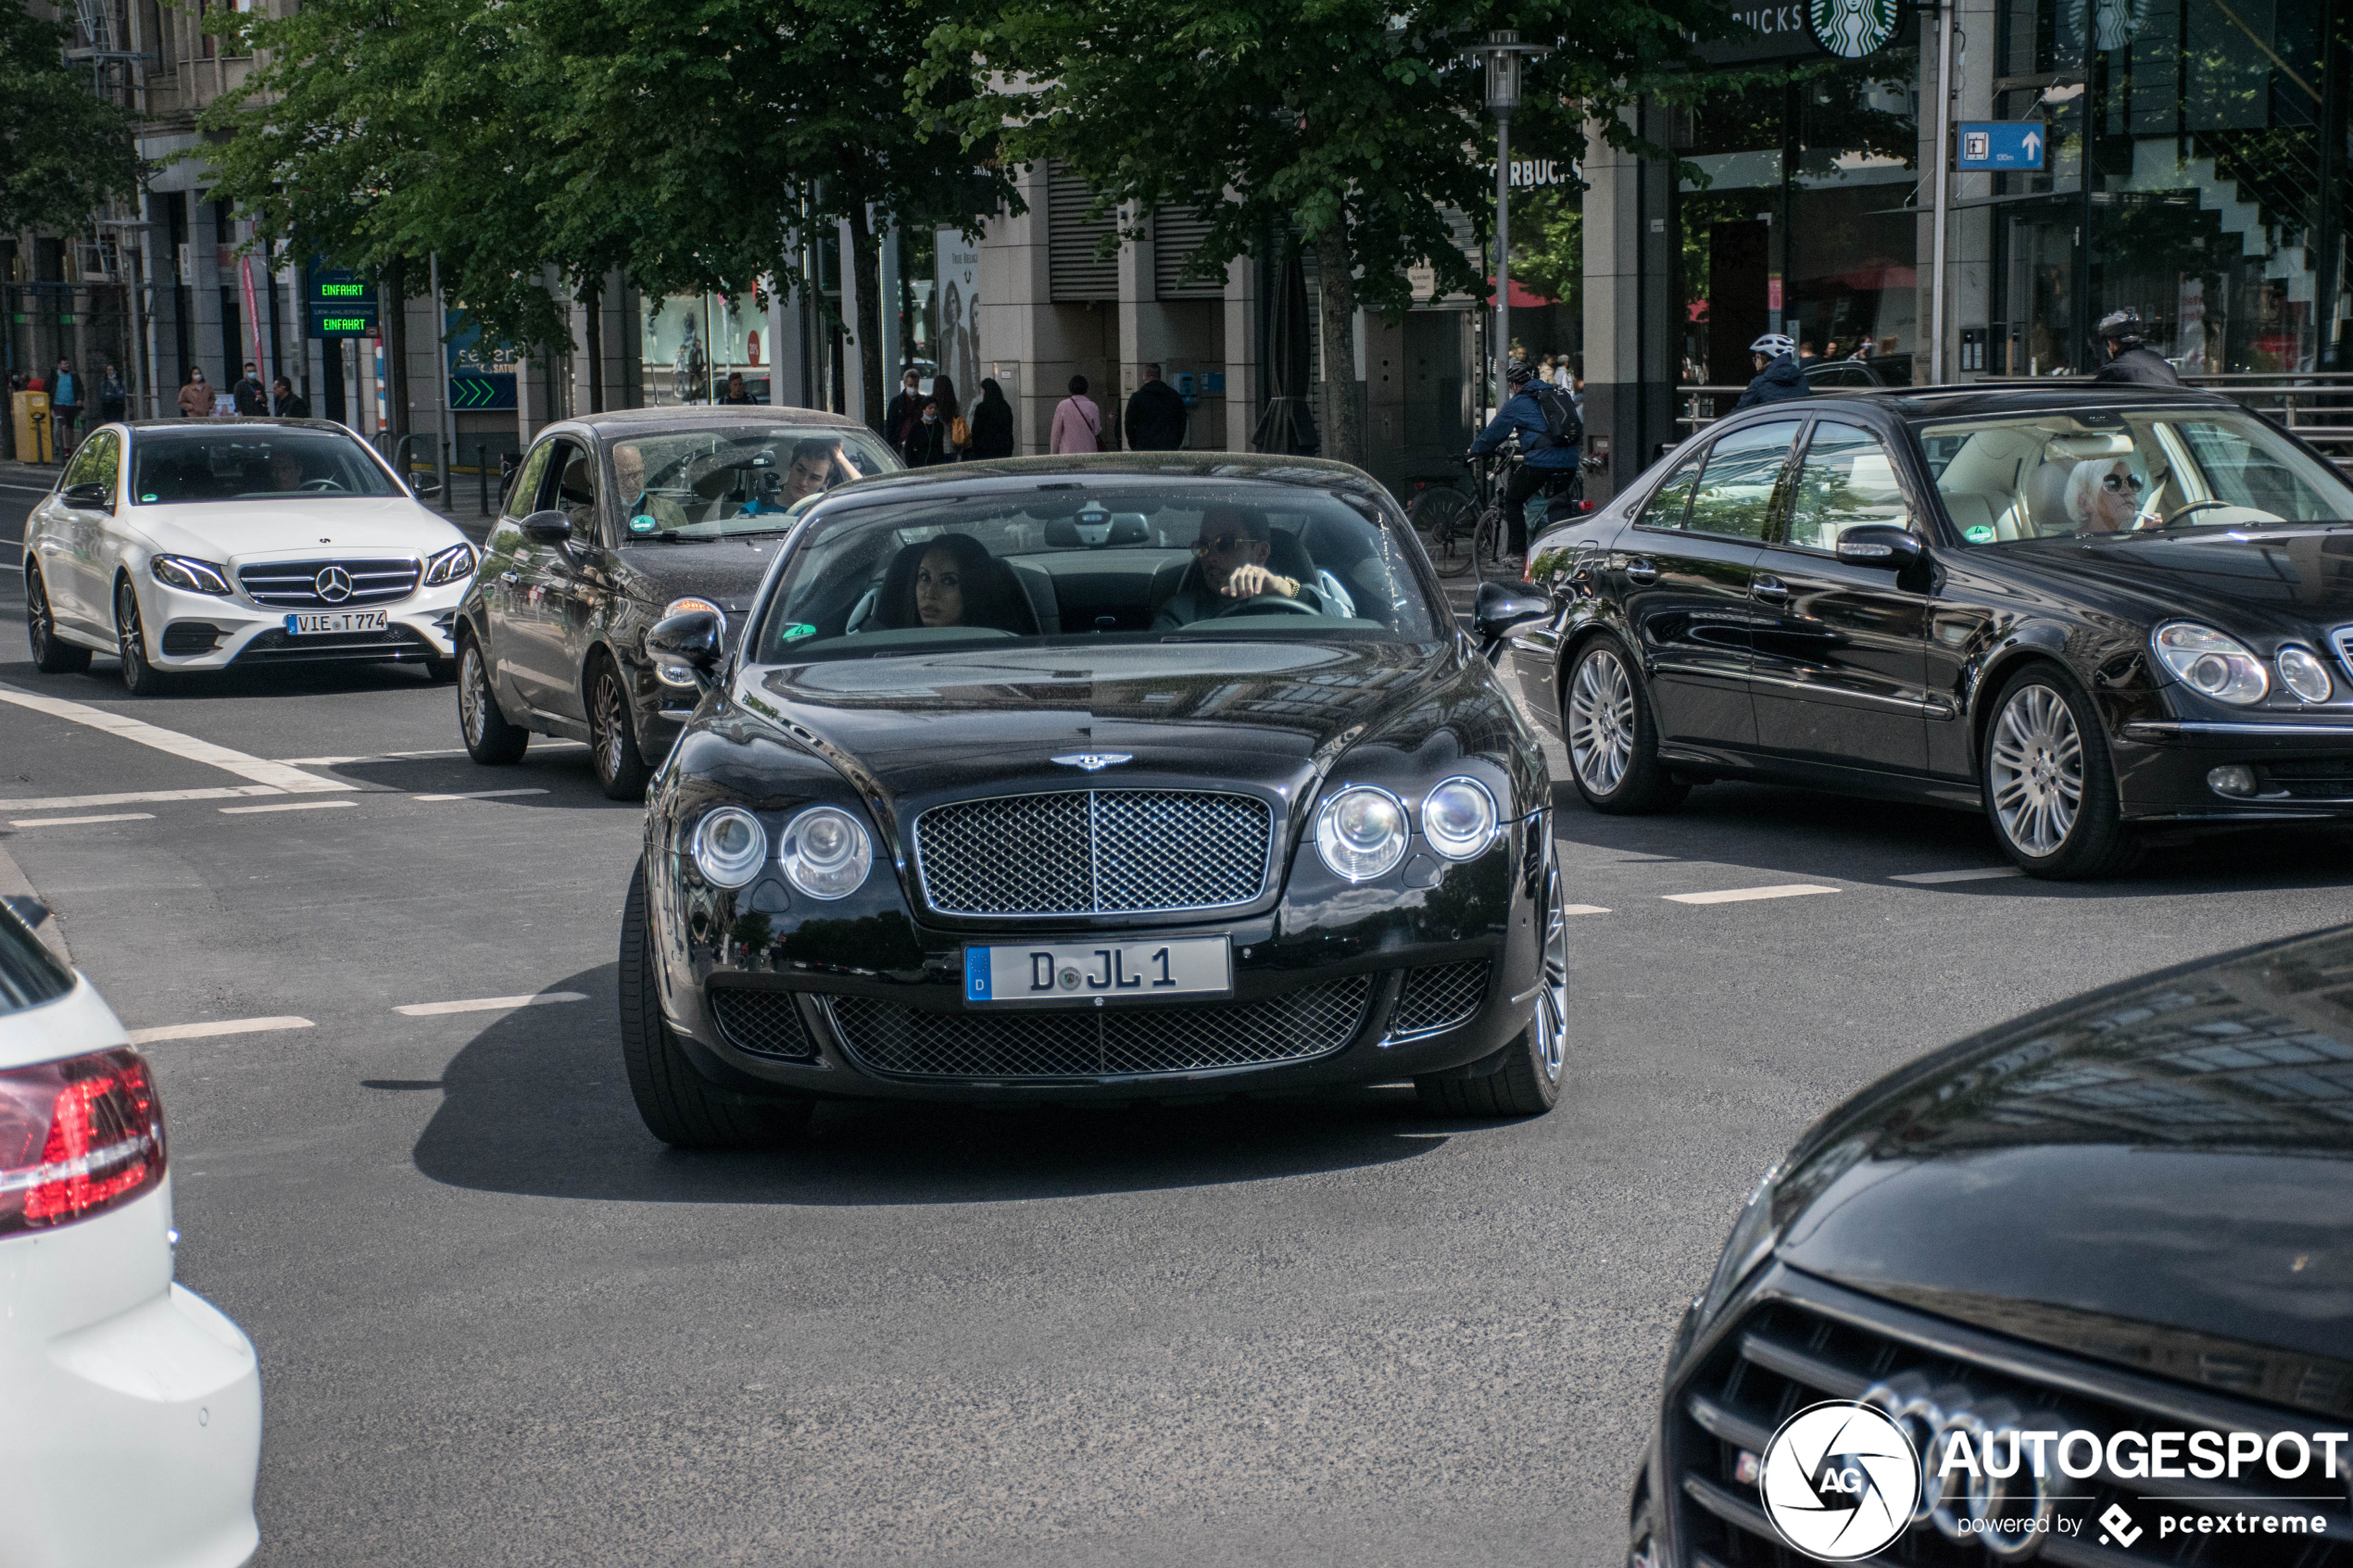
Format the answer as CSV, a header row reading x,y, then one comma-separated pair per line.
x,y
1852,29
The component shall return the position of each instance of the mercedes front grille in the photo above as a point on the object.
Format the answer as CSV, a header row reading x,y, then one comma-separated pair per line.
x,y
329,584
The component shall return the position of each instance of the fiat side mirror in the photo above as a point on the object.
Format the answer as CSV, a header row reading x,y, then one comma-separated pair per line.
x,y
551,527
1500,607
694,638
1879,543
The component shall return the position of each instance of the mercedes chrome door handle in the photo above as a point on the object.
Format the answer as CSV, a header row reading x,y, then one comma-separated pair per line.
x,y
1771,590
1641,571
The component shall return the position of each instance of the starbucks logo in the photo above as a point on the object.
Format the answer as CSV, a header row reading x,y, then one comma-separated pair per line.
x,y
1852,29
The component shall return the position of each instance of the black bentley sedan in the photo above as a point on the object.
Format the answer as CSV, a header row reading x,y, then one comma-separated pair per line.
x,y
2079,609
2129,1217
1098,778
612,523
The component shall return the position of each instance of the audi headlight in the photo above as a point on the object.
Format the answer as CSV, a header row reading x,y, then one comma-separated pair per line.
x,y
2208,661
1361,832
451,564
186,571
826,852
1458,818
729,845
2305,675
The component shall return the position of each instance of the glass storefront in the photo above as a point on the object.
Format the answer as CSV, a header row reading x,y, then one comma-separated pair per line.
x,y
692,343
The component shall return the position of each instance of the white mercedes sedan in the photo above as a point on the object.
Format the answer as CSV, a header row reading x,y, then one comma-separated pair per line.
x,y
195,545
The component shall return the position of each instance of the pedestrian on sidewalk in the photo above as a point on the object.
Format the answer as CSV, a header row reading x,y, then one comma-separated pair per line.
x,y
290,405
1078,425
929,438
252,399
195,397
65,406
1155,414
992,423
904,408
735,393
113,400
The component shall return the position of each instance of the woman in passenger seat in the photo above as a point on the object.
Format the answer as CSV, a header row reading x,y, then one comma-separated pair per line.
x,y
950,580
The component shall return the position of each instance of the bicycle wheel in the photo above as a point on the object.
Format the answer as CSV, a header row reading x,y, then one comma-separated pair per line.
x,y
1487,545
1443,520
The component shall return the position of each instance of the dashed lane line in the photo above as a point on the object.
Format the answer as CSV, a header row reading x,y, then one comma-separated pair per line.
x,y
1968,873
490,1004
136,797
286,805
78,821
294,780
478,795
1745,894
540,743
218,1026
1583,909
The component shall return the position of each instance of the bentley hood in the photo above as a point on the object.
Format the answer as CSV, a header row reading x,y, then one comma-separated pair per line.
x,y
2159,1175
2284,581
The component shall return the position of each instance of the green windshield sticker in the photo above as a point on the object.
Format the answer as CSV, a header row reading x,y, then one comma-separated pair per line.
x,y
797,629
1979,534
149,496
642,523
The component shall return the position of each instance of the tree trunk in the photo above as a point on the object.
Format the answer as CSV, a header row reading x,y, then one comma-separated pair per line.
x,y
392,309
594,300
865,255
1336,312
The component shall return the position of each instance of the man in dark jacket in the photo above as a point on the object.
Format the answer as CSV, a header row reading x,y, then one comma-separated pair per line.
x,y
252,396
2130,358
1155,414
1779,375
290,404
1535,409
904,410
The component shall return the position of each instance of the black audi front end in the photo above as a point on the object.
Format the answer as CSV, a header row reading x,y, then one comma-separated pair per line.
x,y
2129,1217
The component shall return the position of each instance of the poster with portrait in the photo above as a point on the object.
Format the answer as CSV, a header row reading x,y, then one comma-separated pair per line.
x,y
958,311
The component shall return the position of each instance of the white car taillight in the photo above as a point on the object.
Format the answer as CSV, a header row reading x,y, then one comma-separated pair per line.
x,y
77,1137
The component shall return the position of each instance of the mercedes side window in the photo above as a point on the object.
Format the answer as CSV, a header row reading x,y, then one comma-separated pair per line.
x,y
1735,496
1666,506
82,468
1847,478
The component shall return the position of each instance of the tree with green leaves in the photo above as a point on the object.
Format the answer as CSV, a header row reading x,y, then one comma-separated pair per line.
x,y
1357,122
63,149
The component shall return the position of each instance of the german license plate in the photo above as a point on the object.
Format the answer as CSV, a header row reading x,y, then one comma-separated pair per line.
x,y
310,623
1080,972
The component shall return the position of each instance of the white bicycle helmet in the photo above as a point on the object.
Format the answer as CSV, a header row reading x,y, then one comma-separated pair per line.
x,y
1773,346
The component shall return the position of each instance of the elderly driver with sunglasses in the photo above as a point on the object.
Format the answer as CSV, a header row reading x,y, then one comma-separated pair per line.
x,y
2104,496
1230,554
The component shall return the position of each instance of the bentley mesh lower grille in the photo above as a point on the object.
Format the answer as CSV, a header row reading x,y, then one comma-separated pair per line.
x,y
1438,996
891,1039
1107,851
761,1023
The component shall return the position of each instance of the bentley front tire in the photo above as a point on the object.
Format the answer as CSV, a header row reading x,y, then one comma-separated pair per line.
x,y
490,739
1612,736
680,1106
1528,1080
2049,784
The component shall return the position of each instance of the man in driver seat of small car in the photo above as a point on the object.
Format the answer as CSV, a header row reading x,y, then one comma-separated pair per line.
x,y
1231,554
629,467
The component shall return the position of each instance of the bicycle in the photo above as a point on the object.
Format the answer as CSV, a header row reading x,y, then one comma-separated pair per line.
x,y
1465,531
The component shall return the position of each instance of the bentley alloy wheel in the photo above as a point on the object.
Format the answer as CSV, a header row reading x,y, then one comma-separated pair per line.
x,y
1613,740
1527,1080
2049,787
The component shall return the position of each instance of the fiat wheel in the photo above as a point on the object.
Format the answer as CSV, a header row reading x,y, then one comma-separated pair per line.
x,y
613,737
2050,788
1611,735
51,653
139,677
490,739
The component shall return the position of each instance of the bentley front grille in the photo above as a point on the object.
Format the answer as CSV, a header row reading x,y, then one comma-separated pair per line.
x,y
762,1023
328,585
1439,998
1103,851
888,1037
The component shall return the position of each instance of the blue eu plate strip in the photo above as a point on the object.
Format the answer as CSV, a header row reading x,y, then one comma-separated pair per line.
x,y
290,624
976,974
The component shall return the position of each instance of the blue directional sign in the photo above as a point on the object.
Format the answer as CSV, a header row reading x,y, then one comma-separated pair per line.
x,y
2000,146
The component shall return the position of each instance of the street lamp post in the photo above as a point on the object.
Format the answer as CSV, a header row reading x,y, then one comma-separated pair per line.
x,y
1502,55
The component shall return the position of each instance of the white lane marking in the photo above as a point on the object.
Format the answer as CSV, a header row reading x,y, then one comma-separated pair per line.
x,y
321,761
219,1026
77,822
287,805
1583,909
1743,894
29,489
136,797
491,1004
1973,873
541,743
478,795
292,780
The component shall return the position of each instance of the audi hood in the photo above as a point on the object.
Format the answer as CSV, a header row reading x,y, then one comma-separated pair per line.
x,y
2158,1174
227,530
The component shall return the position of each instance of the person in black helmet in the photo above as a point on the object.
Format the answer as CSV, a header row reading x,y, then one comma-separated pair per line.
x,y
1550,444
2130,358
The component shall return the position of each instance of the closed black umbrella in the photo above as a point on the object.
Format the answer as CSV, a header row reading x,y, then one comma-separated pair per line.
x,y
1287,425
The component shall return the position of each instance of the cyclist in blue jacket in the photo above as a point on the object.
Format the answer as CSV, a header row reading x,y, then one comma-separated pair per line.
x,y
1549,441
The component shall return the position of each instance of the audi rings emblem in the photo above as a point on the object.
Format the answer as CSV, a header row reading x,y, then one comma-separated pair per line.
x,y
333,584
1962,1506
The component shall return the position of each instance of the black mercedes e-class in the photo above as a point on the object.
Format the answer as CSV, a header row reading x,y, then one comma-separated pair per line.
x,y
610,522
2079,609
2106,1252
1097,778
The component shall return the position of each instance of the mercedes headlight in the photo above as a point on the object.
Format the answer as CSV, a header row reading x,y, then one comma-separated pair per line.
x,y
451,564
1361,832
1459,818
826,852
678,674
186,571
2305,675
729,846
2208,661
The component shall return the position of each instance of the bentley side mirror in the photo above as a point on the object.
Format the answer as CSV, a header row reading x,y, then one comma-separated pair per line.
x,y
1500,607
1879,543
551,527
694,638
91,495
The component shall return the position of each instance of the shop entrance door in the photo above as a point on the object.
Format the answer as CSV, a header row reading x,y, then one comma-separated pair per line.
x,y
2039,294
1739,265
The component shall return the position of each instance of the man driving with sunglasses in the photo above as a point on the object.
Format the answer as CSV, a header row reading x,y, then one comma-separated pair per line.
x,y
1229,559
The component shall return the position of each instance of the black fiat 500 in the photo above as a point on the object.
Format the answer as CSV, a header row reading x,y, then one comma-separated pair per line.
x,y
1107,777
612,523
2129,1217
2078,609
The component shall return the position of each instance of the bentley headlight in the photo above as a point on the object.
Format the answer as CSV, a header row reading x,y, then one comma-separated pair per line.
x,y
2208,661
826,852
1361,832
451,564
186,571
1458,818
2305,675
729,846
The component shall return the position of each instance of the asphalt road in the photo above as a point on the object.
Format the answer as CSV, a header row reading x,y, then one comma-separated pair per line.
x,y
499,1325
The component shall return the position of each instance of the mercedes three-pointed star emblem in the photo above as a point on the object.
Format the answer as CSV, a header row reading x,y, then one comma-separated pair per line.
x,y
333,584
1095,762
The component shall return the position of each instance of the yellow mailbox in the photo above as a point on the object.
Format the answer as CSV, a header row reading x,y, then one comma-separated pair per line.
x,y
32,414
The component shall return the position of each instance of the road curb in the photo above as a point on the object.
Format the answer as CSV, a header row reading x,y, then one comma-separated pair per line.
x,y
51,931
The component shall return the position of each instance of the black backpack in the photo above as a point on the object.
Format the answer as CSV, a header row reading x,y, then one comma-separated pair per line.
x,y
1561,426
